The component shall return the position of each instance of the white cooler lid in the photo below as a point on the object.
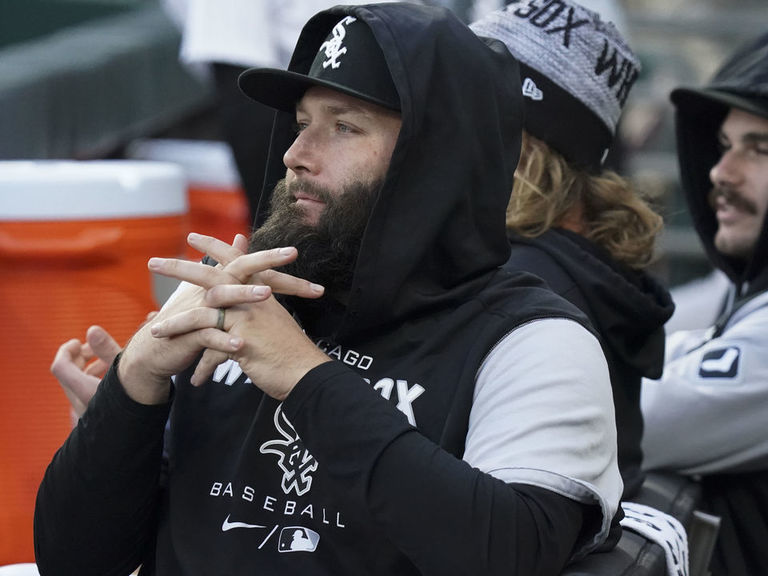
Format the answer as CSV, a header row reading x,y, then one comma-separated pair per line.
x,y
207,163
19,570
90,190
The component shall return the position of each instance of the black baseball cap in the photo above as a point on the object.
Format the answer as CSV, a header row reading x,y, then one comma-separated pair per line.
x,y
350,61
701,100
741,82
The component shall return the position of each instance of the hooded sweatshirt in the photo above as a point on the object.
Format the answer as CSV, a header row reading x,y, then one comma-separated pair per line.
x,y
628,309
445,438
707,415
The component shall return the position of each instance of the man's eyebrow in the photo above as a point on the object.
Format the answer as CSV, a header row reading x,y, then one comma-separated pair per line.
x,y
755,137
748,138
339,109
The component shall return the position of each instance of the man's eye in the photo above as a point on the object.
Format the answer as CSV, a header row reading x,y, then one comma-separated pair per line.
x,y
756,149
299,127
344,128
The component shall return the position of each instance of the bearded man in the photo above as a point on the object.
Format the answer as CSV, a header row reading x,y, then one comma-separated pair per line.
x,y
426,413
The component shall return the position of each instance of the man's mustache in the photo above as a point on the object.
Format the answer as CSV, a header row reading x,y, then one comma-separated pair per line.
x,y
731,197
319,192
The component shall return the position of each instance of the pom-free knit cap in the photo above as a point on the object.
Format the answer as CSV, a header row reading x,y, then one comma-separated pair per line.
x,y
350,61
576,71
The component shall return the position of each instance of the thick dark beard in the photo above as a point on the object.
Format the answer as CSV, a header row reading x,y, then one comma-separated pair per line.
x,y
732,197
328,250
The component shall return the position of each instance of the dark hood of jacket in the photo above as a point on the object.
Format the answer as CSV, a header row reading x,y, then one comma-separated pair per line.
x,y
627,308
741,82
436,233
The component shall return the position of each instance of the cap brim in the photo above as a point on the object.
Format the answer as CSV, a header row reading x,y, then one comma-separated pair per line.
x,y
282,89
707,99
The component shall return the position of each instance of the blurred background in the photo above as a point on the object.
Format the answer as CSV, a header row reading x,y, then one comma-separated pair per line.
x,y
102,81
85,79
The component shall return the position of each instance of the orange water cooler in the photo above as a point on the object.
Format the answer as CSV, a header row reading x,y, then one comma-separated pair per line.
x,y
74,242
217,203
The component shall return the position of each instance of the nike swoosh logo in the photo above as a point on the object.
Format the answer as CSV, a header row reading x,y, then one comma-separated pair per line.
x,y
227,525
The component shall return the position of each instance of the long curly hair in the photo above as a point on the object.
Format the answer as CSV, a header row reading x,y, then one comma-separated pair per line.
x,y
614,215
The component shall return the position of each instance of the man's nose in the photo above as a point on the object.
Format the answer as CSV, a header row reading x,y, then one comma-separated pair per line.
x,y
302,155
727,170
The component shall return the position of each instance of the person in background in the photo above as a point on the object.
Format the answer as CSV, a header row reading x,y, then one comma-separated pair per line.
x,y
706,416
407,416
581,228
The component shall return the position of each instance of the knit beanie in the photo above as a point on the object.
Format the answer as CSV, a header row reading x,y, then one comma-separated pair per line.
x,y
576,72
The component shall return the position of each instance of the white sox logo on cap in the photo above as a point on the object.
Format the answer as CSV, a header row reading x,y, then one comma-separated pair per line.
x,y
348,60
333,48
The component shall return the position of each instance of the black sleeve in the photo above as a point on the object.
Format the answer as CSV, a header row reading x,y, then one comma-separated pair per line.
x,y
446,516
96,506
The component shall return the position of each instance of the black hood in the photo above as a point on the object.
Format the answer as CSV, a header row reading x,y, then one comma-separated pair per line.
x,y
436,233
627,307
742,82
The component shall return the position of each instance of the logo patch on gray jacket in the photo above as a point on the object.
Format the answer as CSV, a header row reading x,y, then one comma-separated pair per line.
x,y
721,363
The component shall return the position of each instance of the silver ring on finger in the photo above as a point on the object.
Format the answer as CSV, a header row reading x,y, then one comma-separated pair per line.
x,y
220,319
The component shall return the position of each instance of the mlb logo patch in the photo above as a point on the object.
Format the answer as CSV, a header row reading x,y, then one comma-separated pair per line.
x,y
721,363
298,539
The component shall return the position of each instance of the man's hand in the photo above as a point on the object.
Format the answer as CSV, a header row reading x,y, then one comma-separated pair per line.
x,y
80,366
264,339
153,356
273,350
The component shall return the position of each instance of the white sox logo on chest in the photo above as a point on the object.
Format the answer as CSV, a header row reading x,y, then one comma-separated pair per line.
x,y
294,459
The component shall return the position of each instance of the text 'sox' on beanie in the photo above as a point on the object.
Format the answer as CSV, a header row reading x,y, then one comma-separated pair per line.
x,y
349,61
576,71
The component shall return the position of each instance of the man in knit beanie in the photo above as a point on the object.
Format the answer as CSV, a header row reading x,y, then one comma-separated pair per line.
x,y
581,228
